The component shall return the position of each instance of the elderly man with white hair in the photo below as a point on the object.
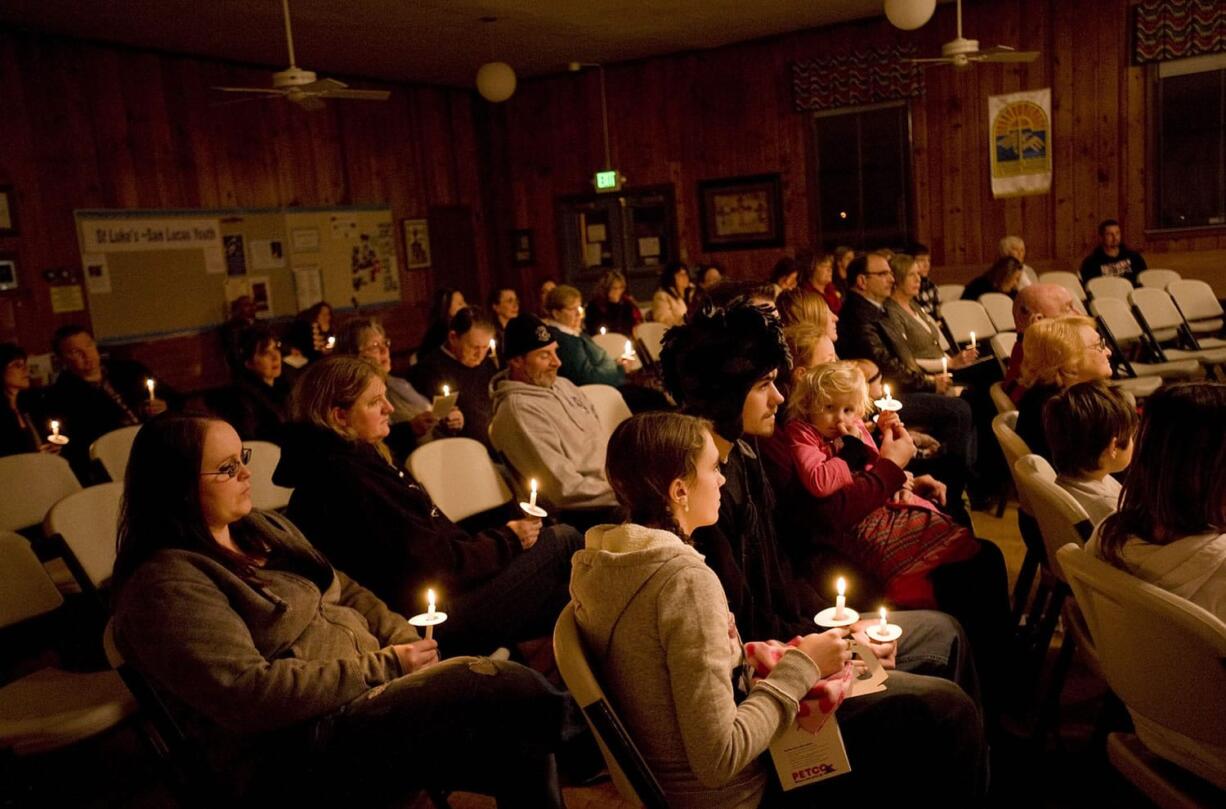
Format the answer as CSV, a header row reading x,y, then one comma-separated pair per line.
x,y
1034,303
1014,246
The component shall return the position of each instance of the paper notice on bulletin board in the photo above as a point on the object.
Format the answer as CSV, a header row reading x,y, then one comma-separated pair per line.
x,y
67,298
97,274
309,287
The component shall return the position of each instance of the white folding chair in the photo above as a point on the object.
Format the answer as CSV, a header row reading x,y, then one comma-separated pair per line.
x,y
1138,630
87,522
51,708
1001,399
459,476
999,307
1109,287
1002,346
265,494
950,292
1068,280
651,335
1199,306
112,450
1165,324
611,408
1157,278
1030,274
32,482
614,343
1013,447
631,775
964,317
1125,332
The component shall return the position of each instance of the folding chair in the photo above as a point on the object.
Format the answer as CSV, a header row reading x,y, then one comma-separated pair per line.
x,y
1198,305
459,476
1108,287
950,292
1002,344
1001,399
265,494
1004,427
631,774
1164,324
1125,335
1000,309
1159,279
614,344
651,335
964,317
50,708
1138,630
85,525
112,450
611,408
32,482
1068,280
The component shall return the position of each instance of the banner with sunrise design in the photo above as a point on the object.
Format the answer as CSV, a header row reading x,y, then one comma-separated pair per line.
x,y
1019,135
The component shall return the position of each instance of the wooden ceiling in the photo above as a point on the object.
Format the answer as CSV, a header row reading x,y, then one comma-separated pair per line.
x,y
430,41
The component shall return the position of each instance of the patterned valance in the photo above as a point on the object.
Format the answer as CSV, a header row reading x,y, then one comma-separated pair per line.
x,y
863,77
1176,29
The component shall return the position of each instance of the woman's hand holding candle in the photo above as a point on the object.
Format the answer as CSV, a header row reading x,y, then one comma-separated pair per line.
x,y
417,655
528,531
830,650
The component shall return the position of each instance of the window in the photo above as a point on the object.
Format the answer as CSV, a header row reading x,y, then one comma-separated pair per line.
x,y
1190,123
863,175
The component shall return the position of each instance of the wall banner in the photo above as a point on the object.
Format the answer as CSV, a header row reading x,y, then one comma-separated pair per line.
x,y
1019,135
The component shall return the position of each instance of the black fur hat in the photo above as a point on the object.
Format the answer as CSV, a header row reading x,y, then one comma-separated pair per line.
x,y
711,363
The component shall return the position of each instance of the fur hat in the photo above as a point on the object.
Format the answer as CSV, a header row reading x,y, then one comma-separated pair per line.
x,y
711,363
525,333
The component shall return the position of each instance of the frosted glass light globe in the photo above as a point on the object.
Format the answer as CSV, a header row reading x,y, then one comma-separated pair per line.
x,y
909,14
496,81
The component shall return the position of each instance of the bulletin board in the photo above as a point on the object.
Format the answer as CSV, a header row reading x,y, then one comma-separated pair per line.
x,y
150,273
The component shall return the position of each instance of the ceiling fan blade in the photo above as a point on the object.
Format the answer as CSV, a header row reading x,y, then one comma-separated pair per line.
x,y
935,60
357,95
322,86
308,102
1002,53
268,91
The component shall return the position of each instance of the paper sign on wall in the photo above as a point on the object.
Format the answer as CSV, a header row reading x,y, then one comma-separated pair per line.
x,y
97,274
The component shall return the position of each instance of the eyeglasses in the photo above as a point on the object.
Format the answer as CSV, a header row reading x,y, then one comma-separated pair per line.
x,y
1101,345
229,469
382,345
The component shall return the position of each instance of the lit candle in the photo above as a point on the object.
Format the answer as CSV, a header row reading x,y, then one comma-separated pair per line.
x,y
55,437
840,601
430,614
494,351
972,340
581,312
331,343
446,390
944,365
532,493
149,383
888,397
55,429
883,623
603,330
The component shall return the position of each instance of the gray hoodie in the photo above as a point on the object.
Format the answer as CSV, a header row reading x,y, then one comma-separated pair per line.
x,y
554,435
656,625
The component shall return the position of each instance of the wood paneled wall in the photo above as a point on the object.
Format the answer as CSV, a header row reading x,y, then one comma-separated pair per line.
x,y
96,126
728,111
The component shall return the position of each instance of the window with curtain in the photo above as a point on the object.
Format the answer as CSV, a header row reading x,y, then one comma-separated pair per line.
x,y
1189,124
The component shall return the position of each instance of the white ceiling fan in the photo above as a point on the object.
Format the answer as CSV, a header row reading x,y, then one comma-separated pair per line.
x,y
961,52
301,86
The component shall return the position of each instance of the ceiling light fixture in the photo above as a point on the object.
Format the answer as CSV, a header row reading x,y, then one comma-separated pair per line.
x,y
495,80
909,14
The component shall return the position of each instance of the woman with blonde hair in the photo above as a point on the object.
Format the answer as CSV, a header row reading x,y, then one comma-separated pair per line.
x,y
1059,352
611,306
502,585
802,306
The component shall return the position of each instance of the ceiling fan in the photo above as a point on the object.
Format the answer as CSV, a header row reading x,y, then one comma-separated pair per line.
x,y
301,86
961,52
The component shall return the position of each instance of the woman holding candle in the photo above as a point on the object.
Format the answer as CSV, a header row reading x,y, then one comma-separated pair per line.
x,y
611,306
503,584
920,332
466,364
292,677
19,432
668,653
308,334
672,295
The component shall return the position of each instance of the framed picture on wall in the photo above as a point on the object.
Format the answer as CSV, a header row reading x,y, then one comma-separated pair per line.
x,y
8,271
521,248
416,243
741,213
8,211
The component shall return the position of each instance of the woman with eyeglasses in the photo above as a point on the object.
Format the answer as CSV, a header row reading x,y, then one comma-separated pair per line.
x,y
502,585
294,679
1059,353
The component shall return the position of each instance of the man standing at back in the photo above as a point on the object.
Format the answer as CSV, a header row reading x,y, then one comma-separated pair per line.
x,y
1111,259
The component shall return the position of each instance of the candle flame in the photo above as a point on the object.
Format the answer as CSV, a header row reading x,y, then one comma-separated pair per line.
x,y
887,392
149,384
629,348
446,390
532,485
841,586
493,344
603,330
55,427
430,600
883,613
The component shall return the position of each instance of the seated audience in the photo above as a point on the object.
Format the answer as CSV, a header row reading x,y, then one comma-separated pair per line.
x,y
583,362
1059,353
547,428
259,401
670,656
307,338
708,275
1090,428
542,290
504,303
816,270
242,317
785,275
1032,304
412,419
670,301
1111,258
611,307
19,432
1003,277
1168,529
1014,246
462,363
837,290
447,302
928,298
298,683
805,306
919,331
91,397
735,293
502,585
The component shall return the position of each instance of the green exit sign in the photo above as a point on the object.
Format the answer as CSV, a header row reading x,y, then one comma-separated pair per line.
x,y
607,180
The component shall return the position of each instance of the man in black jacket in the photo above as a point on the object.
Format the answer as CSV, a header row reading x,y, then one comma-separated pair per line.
x,y
1111,258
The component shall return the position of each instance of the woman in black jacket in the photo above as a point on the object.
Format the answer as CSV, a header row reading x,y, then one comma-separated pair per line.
x,y
259,401
501,585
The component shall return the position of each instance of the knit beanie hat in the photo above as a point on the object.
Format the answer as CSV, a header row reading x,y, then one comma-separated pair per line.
x,y
712,362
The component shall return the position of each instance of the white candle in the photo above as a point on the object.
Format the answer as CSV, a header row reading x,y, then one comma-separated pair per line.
x,y
883,624
494,351
888,398
629,349
944,365
446,390
149,383
972,339
532,493
55,429
331,343
840,602
580,311
430,614
603,330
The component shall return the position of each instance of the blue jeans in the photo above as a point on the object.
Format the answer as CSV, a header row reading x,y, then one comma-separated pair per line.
x,y
467,723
